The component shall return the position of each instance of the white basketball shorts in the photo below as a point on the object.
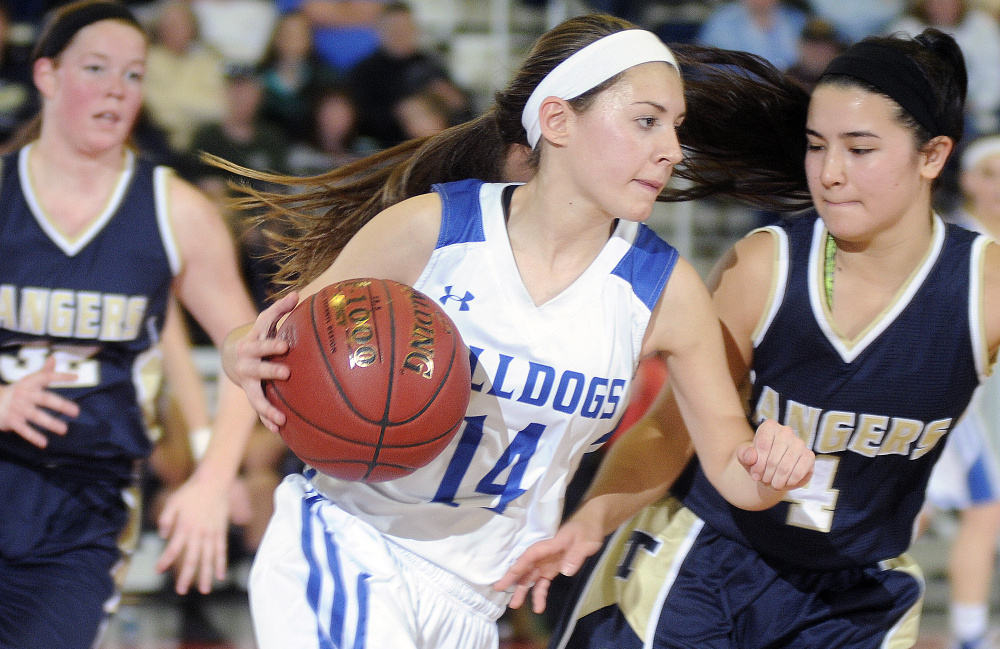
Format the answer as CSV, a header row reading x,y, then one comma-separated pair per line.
x,y
324,579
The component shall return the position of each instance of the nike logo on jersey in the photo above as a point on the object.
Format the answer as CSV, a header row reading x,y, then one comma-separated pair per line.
x,y
464,299
65,313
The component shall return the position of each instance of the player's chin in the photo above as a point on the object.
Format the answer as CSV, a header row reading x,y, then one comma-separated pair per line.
x,y
638,214
640,209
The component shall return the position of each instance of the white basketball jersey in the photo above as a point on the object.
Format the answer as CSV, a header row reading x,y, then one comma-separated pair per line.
x,y
549,383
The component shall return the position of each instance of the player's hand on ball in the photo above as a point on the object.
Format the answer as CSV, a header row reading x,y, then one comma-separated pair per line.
x,y
545,560
778,457
245,359
28,403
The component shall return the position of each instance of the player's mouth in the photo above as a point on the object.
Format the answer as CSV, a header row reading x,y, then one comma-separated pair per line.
x,y
839,202
108,117
652,185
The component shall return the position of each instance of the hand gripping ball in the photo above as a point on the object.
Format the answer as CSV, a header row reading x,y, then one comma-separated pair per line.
x,y
379,380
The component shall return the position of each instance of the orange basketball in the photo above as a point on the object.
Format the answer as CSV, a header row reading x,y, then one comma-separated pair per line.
x,y
379,380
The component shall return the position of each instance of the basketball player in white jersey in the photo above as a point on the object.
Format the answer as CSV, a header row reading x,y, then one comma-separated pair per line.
x,y
558,290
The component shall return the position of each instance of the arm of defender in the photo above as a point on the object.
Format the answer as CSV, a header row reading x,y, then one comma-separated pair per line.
x,y
646,460
196,516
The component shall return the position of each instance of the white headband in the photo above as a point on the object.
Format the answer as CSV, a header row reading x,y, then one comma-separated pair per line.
x,y
589,67
980,150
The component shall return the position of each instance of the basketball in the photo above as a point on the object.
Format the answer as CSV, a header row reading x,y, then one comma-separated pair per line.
x,y
379,380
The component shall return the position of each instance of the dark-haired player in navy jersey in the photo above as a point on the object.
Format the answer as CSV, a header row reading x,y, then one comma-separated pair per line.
x,y
866,327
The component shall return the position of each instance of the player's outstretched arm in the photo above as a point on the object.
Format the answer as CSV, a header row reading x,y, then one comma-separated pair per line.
x,y
195,518
28,402
636,471
751,470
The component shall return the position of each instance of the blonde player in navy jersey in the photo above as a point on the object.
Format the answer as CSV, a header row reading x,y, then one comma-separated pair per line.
x,y
866,326
558,290
93,240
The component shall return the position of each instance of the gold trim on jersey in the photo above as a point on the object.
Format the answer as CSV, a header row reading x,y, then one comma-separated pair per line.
x,y
977,308
72,245
161,188
779,279
128,541
849,349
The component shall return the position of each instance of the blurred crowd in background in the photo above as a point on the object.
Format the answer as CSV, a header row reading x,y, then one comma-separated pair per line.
x,y
299,87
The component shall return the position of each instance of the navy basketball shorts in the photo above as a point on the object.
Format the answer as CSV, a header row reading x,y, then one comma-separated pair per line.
x,y
665,580
58,552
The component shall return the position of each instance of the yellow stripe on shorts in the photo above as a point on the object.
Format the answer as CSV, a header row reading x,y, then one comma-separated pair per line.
x,y
652,566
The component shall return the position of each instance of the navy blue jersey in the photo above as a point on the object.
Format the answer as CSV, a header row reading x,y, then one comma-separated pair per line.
x,y
876,409
96,302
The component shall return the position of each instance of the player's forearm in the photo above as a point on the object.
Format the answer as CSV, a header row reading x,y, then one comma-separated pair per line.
x,y
741,490
227,352
742,464
234,421
639,469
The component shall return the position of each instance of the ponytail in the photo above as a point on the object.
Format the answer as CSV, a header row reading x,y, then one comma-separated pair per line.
x,y
310,227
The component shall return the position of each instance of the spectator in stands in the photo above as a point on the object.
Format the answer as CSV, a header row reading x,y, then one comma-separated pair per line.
x,y
240,136
333,140
239,29
398,69
819,44
243,139
18,97
343,30
421,115
185,84
767,28
978,35
292,72
854,20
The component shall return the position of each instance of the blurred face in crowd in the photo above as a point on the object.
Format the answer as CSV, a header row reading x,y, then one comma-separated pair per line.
x,y
398,33
293,37
981,185
760,6
243,98
177,27
943,12
335,119
420,116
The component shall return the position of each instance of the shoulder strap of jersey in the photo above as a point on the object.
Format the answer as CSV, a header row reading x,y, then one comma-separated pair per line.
x,y
779,280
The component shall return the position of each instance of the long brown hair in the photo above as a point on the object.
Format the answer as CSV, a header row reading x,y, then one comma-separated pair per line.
x,y
310,226
744,133
744,136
